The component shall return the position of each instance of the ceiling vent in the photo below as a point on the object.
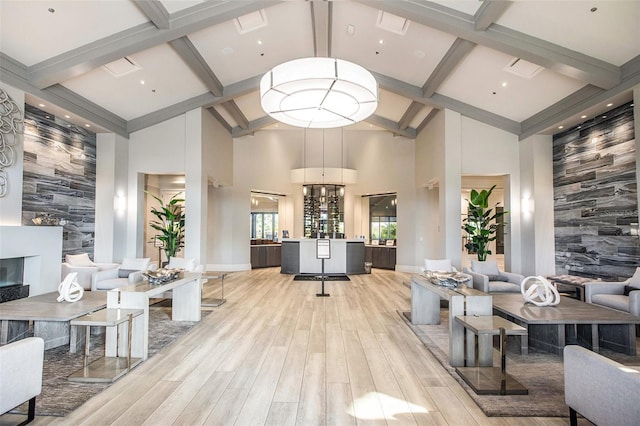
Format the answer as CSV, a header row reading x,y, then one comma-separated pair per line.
x,y
522,68
251,21
392,23
122,67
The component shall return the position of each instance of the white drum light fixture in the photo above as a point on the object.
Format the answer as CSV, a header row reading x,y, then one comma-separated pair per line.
x,y
319,93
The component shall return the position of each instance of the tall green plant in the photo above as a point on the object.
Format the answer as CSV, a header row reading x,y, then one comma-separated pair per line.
x,y
481,223
170,224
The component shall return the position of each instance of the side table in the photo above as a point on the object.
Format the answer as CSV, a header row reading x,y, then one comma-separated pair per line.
x,y
106,369
483,378
215,301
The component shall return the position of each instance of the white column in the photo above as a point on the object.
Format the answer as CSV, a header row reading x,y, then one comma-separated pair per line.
x,y
196,189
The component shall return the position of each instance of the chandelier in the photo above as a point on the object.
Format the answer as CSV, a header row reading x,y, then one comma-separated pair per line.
x,y
319,93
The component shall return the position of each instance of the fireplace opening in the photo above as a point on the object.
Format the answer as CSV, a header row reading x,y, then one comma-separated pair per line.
x,y
12,279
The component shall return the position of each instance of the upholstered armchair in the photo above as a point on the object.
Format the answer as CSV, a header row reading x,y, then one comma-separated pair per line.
x,y
21,374
489,278
623,296
128,272
84,267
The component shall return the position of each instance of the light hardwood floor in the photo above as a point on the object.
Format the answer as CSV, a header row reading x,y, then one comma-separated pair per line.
x,y
275,354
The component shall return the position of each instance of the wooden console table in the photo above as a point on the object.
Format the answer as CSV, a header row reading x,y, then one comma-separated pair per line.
x,y
463,300
548,326
187,293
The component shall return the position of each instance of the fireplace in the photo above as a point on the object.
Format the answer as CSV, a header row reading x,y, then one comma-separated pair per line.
x,y
12,279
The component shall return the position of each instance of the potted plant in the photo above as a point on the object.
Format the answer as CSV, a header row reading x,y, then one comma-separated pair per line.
x,y
170,224
481,223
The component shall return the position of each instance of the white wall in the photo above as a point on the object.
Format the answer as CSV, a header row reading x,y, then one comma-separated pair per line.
x,y
112,153
487,150
536,171
11,203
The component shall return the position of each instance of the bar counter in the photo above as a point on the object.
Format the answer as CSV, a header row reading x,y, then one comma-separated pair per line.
x,y
299,257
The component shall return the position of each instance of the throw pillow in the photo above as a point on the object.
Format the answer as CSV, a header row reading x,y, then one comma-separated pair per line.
x,y
443,265
137,264
124,273
78,259
181,263
634,281
628,289
488,267
497,278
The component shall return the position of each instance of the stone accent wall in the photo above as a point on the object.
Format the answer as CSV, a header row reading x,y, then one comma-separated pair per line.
x,y
595,198
59,184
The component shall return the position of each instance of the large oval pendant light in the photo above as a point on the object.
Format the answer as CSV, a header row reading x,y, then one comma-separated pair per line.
x,y
319,93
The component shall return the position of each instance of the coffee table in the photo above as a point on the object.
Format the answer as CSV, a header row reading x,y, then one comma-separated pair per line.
x,y
50,317
549,326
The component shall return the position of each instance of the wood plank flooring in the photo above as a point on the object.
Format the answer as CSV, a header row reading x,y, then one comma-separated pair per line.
x,y
275,354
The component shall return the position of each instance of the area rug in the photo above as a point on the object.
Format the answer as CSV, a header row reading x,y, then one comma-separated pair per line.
x,y
540,372
317,277
59,396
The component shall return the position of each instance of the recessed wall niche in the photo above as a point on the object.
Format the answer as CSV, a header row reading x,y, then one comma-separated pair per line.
x,y
595,197
59,181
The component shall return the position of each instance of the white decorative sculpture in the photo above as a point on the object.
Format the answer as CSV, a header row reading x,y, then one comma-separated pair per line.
x,y
69,289
541,292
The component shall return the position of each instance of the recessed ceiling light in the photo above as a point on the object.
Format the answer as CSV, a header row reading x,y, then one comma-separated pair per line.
x,y
604,116
381,41
579,127
87,125
259,41
504,84
560,127
609,104
67,116
584,116
41,105
48,116
142,82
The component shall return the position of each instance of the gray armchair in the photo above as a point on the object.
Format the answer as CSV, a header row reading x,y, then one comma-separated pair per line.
x,y
129,272
489,278
623,296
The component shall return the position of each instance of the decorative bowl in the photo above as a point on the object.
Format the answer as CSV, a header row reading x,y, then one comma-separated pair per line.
x,y
162,275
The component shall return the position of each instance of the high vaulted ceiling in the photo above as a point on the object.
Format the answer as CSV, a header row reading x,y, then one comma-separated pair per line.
x,y
527,67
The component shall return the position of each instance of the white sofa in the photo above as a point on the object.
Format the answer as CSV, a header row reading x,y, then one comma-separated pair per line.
x,y
128,272
84,267
21,374
601,390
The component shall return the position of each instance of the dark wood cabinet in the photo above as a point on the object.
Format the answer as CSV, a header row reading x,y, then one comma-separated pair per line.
x,y
265,256
382,257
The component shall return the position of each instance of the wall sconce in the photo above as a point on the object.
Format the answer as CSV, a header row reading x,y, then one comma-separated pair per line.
x,y
120,203
527,205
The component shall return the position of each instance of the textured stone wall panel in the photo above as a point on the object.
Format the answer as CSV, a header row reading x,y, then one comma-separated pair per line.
x,y
595,198
59,180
